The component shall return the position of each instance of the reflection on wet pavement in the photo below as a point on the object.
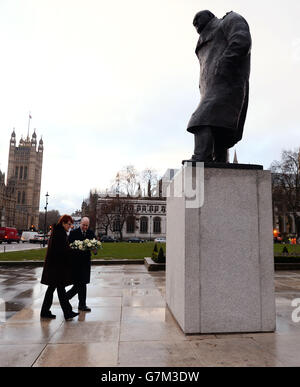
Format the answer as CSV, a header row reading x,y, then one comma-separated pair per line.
x,y
130,325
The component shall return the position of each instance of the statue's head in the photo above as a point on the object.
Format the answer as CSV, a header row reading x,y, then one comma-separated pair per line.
x,y
201,19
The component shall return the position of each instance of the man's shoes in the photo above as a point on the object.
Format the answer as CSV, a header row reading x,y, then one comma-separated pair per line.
x,y
48,315
70,316
84,308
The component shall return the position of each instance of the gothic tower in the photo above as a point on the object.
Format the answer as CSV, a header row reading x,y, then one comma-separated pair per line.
x,y
24,176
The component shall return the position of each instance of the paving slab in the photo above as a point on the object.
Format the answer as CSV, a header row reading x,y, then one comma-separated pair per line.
x,y
19,355
79,355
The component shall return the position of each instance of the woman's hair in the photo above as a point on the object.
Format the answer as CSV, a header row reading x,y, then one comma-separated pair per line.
x,y
65,219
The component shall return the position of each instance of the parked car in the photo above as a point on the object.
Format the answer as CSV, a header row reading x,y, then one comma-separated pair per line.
x,y
135,240
28,235
9,235
39,238
160,240
106,238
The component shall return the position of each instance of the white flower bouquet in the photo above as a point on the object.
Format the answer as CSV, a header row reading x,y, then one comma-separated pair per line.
x,y
86,245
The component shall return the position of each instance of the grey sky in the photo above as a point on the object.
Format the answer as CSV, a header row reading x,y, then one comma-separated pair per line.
x,y
115,83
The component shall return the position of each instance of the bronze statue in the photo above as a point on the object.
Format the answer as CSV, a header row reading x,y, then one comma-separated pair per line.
x,y
223,51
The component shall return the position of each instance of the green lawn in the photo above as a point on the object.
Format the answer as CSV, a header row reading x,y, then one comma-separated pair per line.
x,y
25,255
121,250
291,248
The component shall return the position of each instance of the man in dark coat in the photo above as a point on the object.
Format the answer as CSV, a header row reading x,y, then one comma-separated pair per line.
x,y
57,271
82,269
223,51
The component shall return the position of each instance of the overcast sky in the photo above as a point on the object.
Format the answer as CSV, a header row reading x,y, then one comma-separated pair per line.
x,y
113,83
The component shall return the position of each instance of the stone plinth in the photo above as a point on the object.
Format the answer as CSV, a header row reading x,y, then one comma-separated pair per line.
x,y
220,261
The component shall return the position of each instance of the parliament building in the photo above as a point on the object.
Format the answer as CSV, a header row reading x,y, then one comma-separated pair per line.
x,y
20,193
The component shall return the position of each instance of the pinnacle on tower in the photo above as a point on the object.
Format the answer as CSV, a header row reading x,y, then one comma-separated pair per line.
x,y
41,145
13,138
33,138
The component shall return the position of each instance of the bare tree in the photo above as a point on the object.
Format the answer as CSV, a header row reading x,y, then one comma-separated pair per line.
x,y
126,182
149,179
121,210
52,218
89,208
104,217
286,184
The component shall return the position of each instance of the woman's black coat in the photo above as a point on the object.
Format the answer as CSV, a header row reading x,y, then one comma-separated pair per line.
x,y
60,259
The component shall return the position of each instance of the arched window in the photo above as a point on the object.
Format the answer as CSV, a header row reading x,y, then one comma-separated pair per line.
x,y
21,173
23,197
144,225
19,197
25,173
157,225
116,225
17,172
144,208
130,224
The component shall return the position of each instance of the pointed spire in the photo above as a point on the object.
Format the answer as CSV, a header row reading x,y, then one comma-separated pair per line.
x,y
13,139
33,139
41,145
235,160
29,118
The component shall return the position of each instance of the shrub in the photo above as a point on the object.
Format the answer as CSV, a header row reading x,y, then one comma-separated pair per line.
x,y
155,253
161,258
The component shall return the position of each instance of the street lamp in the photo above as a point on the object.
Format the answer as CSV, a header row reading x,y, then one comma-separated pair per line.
x,y
45,225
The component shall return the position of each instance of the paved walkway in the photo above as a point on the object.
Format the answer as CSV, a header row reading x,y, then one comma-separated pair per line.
x,y
130,326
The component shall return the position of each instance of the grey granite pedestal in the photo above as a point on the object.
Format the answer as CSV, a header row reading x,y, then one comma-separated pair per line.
x,y
220,263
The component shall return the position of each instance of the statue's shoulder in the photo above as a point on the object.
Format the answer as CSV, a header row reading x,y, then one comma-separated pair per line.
x,y
232,17
227,14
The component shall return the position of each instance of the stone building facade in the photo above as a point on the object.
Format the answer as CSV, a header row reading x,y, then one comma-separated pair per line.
x,y
145,218
130,216
21,194
7,203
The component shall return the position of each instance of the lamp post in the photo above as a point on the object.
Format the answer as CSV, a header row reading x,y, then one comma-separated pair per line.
x,y
45,225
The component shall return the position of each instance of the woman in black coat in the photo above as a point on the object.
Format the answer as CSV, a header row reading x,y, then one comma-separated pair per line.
x,y
57,272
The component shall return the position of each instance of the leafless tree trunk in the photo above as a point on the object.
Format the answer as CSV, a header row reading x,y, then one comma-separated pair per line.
x,y
286,185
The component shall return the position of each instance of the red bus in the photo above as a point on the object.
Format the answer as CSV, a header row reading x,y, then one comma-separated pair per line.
x,y
9,234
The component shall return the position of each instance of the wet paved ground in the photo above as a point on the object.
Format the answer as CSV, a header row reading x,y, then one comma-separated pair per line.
x,y
130,326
